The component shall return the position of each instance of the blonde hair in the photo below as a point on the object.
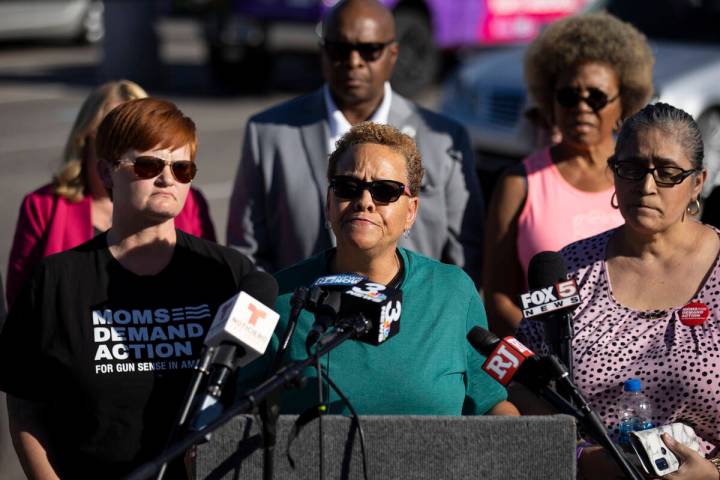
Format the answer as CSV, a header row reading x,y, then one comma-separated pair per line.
x,y
71,180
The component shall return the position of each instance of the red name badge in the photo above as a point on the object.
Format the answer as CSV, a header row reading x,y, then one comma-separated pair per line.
x,y
694,314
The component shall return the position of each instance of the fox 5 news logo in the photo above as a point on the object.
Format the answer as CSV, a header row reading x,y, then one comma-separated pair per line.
x,y
544,300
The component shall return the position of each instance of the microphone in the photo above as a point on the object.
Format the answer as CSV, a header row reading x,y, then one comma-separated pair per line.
x,y
552,298
550,290
379,305
240,333
323,299
509,360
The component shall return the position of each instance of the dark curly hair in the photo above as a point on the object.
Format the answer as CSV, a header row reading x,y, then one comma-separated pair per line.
x,y
597,37
389,136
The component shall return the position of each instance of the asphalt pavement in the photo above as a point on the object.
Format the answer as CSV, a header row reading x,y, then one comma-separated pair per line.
x,y
43,85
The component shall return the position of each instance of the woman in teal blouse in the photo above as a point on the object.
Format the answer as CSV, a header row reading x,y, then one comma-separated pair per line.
x,y
428,368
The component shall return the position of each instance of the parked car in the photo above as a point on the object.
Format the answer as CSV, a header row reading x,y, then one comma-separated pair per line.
x,y
76,20
239,33
487,93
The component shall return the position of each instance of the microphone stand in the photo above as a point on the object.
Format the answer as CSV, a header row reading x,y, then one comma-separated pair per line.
x,y
581,410
202,370
355,326
566,335
270,408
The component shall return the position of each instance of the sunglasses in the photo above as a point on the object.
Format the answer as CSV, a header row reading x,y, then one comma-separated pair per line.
x,y
146,167
663,176
569,97
339,51
381,191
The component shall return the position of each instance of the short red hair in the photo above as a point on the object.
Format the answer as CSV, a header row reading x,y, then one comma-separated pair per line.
x,y
144,124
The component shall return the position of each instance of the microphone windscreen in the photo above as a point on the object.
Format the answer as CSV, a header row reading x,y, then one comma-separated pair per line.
x,y
261,286
546,268
482,340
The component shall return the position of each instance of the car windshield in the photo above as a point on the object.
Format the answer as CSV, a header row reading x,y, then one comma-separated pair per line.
x,y
681,20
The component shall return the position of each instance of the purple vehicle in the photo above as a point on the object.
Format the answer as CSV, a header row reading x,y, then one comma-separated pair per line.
x,y
240,33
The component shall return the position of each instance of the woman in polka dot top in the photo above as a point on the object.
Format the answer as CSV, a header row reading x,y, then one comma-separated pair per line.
x,y
651,291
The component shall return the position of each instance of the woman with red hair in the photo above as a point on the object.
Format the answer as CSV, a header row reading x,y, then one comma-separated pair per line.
x,y
76,206
99,346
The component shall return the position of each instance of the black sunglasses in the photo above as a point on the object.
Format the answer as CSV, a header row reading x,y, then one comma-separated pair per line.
x,y
339,51
381,191
146,167
663,176
569,97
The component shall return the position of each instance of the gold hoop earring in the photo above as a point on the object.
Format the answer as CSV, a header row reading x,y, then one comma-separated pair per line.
x,y
613,201
694,208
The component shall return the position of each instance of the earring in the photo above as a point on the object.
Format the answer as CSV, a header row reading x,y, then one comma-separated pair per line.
x,y
406,233
618,125
694,207
328,226
613,201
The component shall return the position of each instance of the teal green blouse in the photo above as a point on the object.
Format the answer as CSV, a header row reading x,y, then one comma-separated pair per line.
x,y
428,368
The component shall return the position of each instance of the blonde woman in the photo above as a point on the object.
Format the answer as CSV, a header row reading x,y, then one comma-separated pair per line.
x,y
76,205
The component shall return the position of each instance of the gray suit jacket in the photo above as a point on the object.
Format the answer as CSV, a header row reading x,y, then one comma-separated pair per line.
x,y
277,209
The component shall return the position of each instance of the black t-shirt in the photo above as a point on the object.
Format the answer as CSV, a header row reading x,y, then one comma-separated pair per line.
x,y
110,352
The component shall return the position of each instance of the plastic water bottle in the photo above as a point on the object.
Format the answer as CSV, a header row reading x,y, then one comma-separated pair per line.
x,y
634,411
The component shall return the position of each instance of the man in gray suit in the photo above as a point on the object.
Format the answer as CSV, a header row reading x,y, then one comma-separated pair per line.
x,y
277,209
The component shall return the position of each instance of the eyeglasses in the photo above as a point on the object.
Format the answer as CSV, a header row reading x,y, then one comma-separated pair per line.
x,y
664,176
381,191
146,167
370,52
569,97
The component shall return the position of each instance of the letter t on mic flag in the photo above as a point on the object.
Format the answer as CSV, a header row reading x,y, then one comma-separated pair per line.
x,y
243,320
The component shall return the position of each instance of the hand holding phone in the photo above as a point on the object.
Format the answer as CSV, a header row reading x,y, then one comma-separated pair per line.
x,y
655,457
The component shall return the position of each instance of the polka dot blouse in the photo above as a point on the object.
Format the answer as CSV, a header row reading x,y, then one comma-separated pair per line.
x,y
678,365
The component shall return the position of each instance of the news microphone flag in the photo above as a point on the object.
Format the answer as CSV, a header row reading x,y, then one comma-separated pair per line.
x,y
339,280
509,360
544,300
506,359
245,321
381,305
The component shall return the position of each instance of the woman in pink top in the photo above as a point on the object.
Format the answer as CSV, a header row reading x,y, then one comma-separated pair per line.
x,y
650,292
585,73
76,206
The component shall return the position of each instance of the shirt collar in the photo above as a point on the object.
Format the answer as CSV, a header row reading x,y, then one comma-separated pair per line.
x,y
338,124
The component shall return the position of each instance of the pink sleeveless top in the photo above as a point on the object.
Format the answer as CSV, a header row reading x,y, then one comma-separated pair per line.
x,y
556,213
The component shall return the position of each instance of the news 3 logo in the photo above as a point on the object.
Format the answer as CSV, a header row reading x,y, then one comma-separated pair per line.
x,y
560,296
388,314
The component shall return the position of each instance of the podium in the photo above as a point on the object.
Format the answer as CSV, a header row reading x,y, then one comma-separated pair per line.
x,y
399,447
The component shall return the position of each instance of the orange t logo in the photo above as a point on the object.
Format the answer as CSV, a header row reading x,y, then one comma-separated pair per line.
x,y
255,314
